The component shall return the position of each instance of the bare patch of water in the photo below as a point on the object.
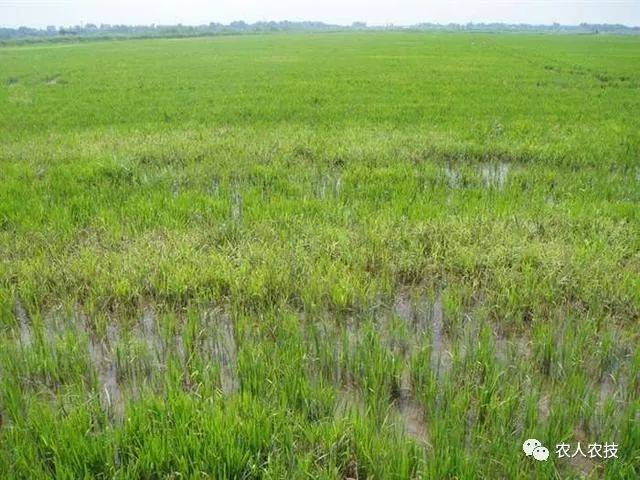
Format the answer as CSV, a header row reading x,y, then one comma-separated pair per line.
x,y
583,465
414,314
224,350
235,208
470,421
52,80
507,349
330,186
426,317
23,324
495,175
102,356
544,406
439,353
453,177
417,316
411,413
180,350
214,187
606,390
337,185
151,336
353,334
349,402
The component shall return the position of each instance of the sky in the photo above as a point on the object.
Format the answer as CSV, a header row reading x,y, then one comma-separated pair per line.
x,y
40,13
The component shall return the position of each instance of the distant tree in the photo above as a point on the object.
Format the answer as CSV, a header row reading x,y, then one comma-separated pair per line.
x,y
213,28
239,25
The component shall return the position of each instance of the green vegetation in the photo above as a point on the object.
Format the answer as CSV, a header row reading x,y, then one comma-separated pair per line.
x,y
92,32
374,255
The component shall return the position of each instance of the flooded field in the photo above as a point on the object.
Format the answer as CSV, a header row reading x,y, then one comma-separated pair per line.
x,y
402,262
410,368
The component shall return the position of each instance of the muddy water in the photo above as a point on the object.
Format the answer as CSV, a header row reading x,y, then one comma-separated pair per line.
x,y
495,175
223,349
235,208
349,402
180,350
23,324
440,352
346,338
544,406
151,337
453,177
330,185
508,348
423,320
214,187
102,356
424,317
606,390
53,80
411,413
492,175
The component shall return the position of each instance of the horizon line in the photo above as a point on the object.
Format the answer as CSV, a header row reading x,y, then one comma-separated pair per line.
x,y
328,24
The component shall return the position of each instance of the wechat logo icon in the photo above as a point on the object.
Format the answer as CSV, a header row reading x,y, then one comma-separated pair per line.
x,y
533,448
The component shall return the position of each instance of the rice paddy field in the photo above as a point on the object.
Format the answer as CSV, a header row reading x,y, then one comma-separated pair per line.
x,y
335,256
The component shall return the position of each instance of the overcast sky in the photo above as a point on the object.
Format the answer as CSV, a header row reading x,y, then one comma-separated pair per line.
x,y
400,12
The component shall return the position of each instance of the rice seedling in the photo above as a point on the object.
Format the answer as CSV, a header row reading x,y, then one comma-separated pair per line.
x,y
345,255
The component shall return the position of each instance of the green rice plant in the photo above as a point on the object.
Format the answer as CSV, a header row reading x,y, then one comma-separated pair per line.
x,y
346,255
